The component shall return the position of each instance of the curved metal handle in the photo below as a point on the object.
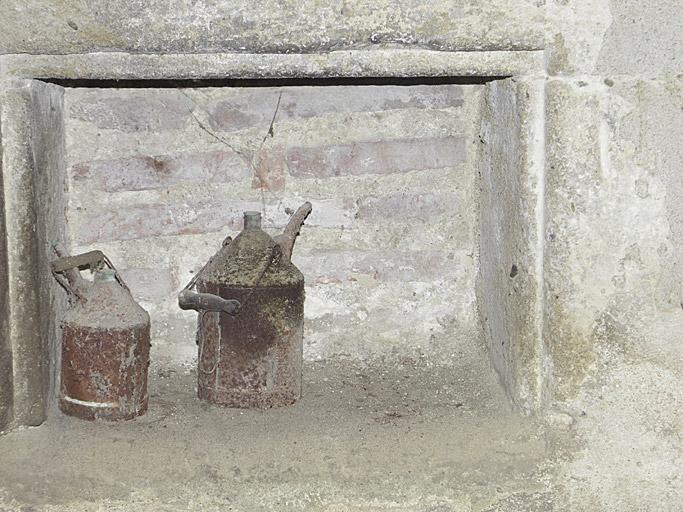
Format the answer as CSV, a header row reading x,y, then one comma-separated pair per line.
x,y
89,259
207,302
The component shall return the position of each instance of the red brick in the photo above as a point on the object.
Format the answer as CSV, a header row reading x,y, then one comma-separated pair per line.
x,y
269,172
111,222
420,207
379,157
257,106
147,220
132,111
143,221
384,265
153,172
327,213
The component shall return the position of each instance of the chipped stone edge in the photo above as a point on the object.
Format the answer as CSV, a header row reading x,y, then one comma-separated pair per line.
x,y
351,63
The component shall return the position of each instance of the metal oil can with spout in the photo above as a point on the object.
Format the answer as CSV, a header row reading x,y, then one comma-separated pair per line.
x,y
105,342
251,311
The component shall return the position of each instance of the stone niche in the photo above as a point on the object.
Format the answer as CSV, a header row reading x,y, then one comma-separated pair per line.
x,y
426,171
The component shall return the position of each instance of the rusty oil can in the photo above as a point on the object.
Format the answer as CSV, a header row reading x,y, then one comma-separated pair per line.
x,y
251,313
105,342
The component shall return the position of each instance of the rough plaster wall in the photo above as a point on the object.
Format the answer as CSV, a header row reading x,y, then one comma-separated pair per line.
x,y
159,177
508,284
613,254
614,285
644,38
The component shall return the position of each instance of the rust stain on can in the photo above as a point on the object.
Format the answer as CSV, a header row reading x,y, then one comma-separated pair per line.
x,y
104,372
253,359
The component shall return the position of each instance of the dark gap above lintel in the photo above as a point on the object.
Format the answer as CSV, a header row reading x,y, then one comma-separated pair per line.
x,y
270,82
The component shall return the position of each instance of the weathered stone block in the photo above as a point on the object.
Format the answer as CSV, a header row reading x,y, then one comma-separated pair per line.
x,y
509,283
31,137
267,26
6,375
380,62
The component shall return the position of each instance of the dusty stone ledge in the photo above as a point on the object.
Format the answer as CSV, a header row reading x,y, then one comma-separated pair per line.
x,y
353,63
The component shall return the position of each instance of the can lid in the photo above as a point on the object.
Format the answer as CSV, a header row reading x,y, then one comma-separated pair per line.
x,y
108,305
251,259
252,220
105,275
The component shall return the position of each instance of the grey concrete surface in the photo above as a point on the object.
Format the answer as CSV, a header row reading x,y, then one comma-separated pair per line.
x,y
644,38
401,436
404,436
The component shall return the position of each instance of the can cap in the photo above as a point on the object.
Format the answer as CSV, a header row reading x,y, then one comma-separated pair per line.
x,y
252,220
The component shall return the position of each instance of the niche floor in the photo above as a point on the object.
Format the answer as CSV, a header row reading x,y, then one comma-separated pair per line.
x,y
409,436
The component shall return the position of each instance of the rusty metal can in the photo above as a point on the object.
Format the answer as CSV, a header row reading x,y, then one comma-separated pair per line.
x,y
251,315
105,343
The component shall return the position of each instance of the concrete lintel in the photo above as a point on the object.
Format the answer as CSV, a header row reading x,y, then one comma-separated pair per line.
x,y
352,63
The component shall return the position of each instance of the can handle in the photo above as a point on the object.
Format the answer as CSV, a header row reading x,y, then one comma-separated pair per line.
x,y
68,265
88,259
187,299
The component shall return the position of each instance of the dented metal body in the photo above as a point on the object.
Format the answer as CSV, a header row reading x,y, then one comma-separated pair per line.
x,y
253,358
105,347
251,355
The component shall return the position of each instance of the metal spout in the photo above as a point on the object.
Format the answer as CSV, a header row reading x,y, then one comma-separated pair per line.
x,y
288,237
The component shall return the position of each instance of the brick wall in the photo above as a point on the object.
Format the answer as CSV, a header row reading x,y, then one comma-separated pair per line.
x,y
157,178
